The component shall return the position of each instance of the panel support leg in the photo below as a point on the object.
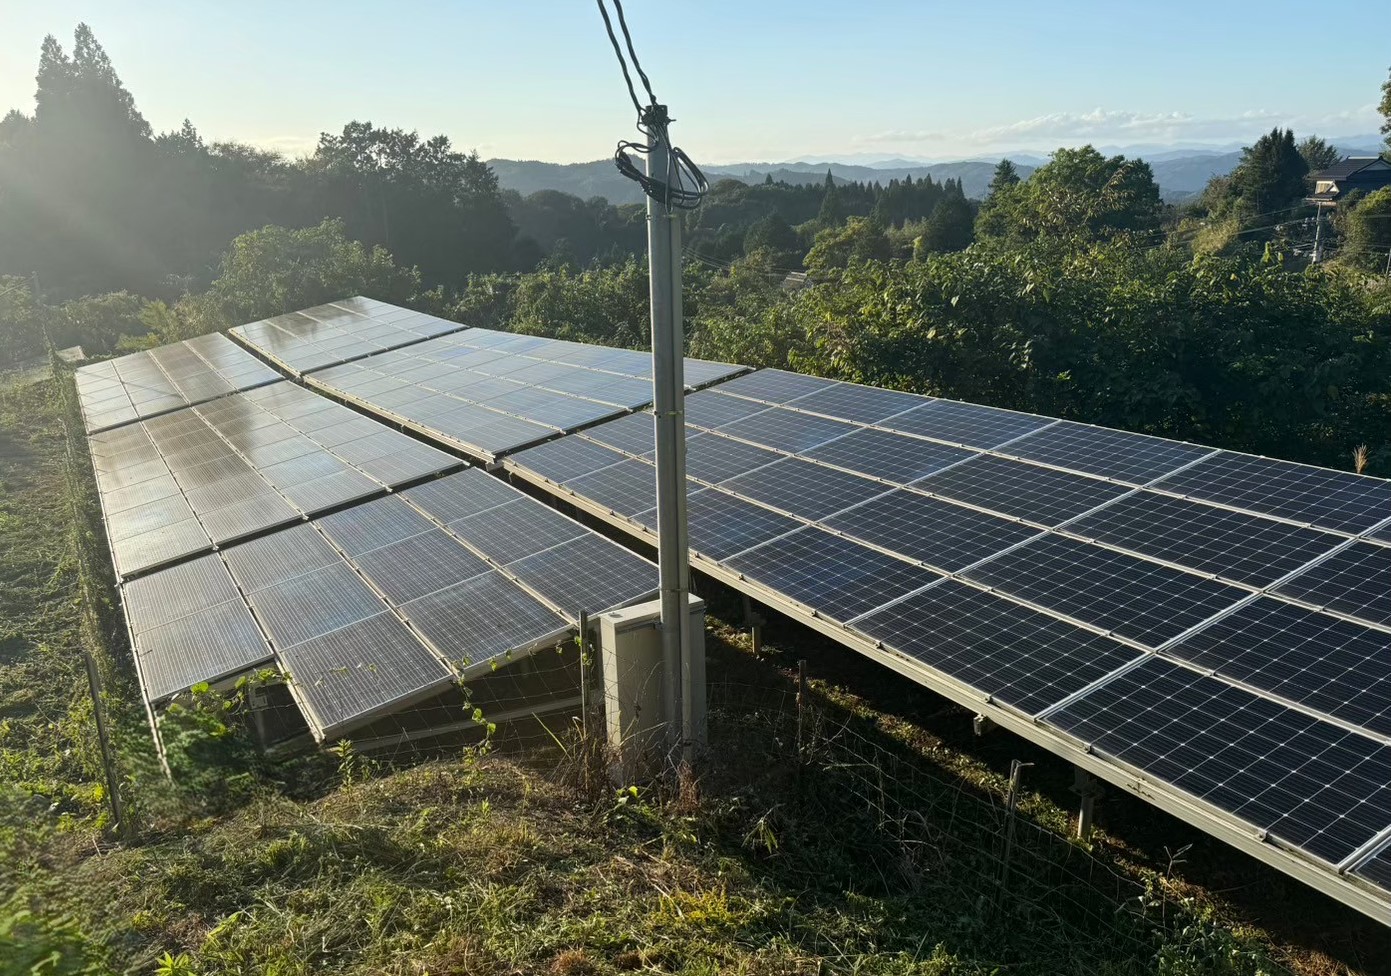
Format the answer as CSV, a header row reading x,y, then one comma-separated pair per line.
x,y
1088,787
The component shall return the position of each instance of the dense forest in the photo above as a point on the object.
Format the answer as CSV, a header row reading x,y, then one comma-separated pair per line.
x,y
1075,292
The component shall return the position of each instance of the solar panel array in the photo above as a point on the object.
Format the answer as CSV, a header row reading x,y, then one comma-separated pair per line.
x,y
1206,619
491,393
156,381
184,482
383,604
338,332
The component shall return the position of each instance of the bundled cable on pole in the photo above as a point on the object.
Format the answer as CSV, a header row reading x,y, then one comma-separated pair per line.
x,y
684,185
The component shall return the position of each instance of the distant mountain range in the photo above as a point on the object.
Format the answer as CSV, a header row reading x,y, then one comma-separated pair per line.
x,y
1180,172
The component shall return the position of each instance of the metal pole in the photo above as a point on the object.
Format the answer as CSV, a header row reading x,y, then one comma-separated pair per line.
x,y
1318,233
584,675
668,397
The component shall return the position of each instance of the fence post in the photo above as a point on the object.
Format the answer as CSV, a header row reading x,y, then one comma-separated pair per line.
x,y
584,675
801,710
1016,769
755,624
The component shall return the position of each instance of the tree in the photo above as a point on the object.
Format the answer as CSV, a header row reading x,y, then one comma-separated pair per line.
x,y
1270,176
275,270
774,240
1366,230
1006,175
1318,154
1385,109
952,224
1078,195
435,207
858,240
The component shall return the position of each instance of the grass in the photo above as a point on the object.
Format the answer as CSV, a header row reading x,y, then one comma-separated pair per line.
x,y
501,865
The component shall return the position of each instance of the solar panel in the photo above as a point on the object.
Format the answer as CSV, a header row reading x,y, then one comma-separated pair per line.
x,y
967,424
786,430
720,525
625,488
942,535
459,496
1013,654
775,385
278,557
419,565
1233,545
1319,661
712,458
494,393
587,573
711,408
1327,499
1144,601
178,591
892,457
1133,458
851,401
838,578
481,618
316,603
801,488
1311,784
1376,869
515,530
361,670
566,458
1355,581
634,434
1026,491
378,523
210,644
145,384
338,332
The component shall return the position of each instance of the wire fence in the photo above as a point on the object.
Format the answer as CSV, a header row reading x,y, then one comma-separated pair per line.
x,y
907,822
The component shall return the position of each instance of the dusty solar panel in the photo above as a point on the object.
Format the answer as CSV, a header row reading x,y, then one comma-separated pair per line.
x,y
338,332
361,670
494,393
589,574
145,384
208,645
479,619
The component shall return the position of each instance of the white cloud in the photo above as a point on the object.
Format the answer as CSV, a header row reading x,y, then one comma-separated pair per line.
x,y
1101,125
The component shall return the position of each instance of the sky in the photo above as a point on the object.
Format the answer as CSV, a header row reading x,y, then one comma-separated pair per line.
x,y
750,81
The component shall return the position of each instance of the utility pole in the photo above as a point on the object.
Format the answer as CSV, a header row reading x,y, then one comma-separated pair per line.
x,y
1318,234
669,408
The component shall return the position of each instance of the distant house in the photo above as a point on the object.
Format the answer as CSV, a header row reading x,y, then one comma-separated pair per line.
x,y
1365,173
